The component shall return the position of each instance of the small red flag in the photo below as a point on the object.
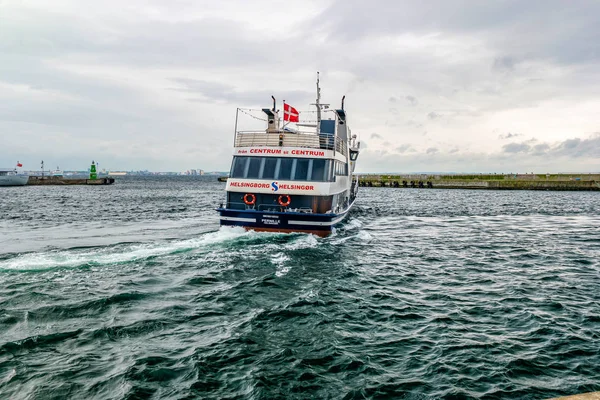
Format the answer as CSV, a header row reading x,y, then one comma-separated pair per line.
x,y
290,113
19,164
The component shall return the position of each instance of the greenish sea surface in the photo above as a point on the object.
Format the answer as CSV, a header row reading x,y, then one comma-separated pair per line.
x,y
133,291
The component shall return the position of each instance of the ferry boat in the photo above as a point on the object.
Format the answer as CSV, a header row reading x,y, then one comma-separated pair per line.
x,y
11,177
294,176
58,173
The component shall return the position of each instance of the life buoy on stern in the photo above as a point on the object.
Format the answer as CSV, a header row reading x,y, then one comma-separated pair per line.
x,y
249,199
284,200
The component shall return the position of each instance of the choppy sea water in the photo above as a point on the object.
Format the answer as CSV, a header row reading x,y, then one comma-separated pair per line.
x,y
133,291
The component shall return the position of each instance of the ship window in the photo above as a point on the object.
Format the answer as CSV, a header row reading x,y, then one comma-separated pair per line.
x,y
341,168
254,167
269,168
238,167
285,169
318,171
310,166
301,169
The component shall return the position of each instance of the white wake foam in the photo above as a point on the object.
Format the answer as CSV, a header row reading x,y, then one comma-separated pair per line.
x,y
279,261
302,242
118,254
352,224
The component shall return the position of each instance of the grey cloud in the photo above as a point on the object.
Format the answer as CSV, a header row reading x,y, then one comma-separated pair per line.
x,y
540,149
570,144
432,150
376,136
504,25
516,148
571,148
472,162
433,115
78,104
147,42
577,148
393,99
404,148
354,83
412,100
503,64
413,123
211,90
510,135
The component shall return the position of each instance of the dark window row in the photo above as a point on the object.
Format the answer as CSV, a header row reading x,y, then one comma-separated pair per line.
x,y
341,168
283,168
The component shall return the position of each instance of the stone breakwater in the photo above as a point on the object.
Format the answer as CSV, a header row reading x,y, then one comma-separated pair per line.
x,y
56,180
587,182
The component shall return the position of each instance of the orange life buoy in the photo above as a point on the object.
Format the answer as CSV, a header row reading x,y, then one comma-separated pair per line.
x,y
249,199
287,201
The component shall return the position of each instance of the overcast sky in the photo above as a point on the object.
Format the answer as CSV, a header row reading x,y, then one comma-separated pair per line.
x,y
430,85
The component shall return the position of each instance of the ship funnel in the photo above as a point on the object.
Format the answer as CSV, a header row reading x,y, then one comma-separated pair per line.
x,y
272,117
343,98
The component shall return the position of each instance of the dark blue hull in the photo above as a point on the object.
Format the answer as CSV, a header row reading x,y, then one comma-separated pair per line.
x,y
318,224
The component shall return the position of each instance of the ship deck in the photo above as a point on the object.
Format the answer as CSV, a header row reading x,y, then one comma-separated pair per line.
x,y
284,138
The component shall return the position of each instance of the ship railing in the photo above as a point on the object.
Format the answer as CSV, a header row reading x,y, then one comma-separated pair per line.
x,y
290,139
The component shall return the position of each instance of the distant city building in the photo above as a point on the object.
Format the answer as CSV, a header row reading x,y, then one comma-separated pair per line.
x,y
194,172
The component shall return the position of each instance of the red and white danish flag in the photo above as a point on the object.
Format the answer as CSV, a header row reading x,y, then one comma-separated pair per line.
x,y
290,113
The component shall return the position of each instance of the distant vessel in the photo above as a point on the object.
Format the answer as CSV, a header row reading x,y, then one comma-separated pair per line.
x,y
57,172
292,180
11,177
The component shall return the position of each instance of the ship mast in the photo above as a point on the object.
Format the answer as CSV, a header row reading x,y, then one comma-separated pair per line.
x,y
318,104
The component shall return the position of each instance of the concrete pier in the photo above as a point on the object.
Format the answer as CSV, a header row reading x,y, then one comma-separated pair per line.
x,y
584,182
57,180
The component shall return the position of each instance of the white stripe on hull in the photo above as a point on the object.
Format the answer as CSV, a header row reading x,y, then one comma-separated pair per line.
x,y
317,223
238,219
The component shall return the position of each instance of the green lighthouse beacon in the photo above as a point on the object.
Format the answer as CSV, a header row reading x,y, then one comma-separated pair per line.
x,y
93,174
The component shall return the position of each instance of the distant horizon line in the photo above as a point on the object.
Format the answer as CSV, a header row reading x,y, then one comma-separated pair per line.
x,y
356,173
